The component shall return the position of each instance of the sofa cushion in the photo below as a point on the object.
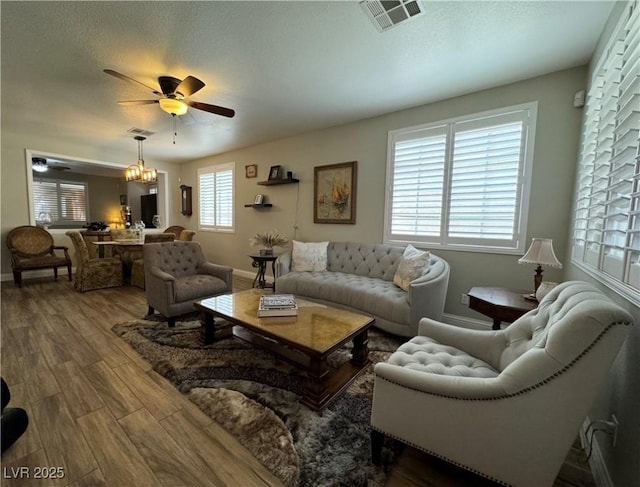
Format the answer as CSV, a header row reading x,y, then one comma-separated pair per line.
x,y
412,265
309,256
197,286
427,355
368,295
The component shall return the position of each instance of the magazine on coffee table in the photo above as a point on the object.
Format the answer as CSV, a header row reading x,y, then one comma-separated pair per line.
x,y
277,305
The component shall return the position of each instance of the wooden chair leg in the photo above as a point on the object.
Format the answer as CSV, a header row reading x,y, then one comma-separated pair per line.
x,y
150,311
377,439
172,322
17,278
69,271
55,273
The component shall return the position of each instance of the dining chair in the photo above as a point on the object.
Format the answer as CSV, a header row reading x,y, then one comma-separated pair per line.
x,y
32,248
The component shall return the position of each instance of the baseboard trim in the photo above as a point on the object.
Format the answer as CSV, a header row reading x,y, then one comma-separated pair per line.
x,y
465,322
62,271
597,464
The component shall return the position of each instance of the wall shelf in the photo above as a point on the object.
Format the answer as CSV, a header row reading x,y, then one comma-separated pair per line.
x,y
273,182
264,205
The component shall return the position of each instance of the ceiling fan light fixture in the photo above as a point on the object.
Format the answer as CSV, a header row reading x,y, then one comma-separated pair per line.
x,y
39,164
173,106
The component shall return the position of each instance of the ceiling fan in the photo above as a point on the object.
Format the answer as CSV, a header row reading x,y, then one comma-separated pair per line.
x,y
174,94
40,164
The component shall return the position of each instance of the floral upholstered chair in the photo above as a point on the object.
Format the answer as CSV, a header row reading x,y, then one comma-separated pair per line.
x,y
94,273
176,230
31,249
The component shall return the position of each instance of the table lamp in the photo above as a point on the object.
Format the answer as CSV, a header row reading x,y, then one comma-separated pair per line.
x,y
540,253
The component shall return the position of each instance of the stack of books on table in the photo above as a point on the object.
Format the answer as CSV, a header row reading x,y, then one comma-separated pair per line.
x,y
277,305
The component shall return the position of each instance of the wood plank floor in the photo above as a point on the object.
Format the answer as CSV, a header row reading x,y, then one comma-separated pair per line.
x,y
100,413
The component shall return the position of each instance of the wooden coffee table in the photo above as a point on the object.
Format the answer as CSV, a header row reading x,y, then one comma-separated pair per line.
x,y
306,340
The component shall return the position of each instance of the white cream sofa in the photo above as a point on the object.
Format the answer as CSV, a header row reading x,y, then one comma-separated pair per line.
x,y
359,277
505,404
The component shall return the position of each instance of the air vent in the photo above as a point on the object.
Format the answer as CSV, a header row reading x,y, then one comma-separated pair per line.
x,y
137,131
388,14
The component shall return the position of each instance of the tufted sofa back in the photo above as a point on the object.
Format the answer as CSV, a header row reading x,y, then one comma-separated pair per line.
x,y
570,320
362,259
176,258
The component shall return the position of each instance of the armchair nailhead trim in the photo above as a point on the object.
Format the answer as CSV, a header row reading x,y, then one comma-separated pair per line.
x,y
523,391
441,457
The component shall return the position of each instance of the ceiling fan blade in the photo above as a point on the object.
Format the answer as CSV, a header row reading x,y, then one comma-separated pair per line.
x,y
225,112
130,80
168,84
129,103
189,86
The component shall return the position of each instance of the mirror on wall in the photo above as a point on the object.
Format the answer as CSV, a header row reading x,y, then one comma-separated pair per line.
x,y
65,192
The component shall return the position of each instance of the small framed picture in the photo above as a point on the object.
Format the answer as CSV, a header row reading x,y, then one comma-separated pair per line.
x,y
251,171
274,172
259,199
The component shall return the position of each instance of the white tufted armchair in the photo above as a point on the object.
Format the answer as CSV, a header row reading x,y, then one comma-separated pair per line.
x,y
505,404
177,275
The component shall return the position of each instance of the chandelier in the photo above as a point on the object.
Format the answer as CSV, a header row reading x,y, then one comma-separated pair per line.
x,y
137,172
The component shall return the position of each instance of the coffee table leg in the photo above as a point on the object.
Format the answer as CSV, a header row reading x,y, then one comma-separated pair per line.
x,y
360,351
207,328
210,331
316,387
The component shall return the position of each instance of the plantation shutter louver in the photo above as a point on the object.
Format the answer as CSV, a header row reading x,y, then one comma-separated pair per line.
x,y
461,184
66,201
418,178
216,197
606,233
485,183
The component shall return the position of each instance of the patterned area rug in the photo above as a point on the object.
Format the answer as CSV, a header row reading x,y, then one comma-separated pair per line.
x,y
257,398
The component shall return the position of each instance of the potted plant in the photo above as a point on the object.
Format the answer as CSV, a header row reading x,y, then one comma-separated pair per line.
x,y
268,240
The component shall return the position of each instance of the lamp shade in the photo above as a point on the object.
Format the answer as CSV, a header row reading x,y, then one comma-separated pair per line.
x,y
541,253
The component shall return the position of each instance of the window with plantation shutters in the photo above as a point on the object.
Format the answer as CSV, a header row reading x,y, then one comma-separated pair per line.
x,y
462,183
606,231
215,190
66,201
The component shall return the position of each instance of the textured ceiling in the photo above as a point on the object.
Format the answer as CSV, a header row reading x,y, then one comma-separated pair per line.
x,y
285,67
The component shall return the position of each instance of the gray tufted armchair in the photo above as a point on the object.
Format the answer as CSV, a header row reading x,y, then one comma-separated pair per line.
x,y
177,275
505,404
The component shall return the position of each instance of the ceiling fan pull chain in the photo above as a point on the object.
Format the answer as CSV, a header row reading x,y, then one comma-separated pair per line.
x,y
175,132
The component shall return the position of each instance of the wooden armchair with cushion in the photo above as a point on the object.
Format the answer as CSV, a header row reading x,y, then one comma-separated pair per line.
x,y
31,249
94,273
175,229
177,275
137,268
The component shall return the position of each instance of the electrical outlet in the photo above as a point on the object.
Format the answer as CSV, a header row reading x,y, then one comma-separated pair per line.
x,y
614,429
464,299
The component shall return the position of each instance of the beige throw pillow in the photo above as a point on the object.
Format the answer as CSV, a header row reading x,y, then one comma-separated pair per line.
x,y
412,265
310,256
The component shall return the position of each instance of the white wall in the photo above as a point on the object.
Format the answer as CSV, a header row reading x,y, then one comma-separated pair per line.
x,y
365,141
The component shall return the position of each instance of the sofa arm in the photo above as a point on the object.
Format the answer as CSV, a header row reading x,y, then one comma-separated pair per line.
x,y
486,345
283,264
220,271
428,293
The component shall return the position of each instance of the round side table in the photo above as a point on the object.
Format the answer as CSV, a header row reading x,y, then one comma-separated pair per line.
x,y
260,262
